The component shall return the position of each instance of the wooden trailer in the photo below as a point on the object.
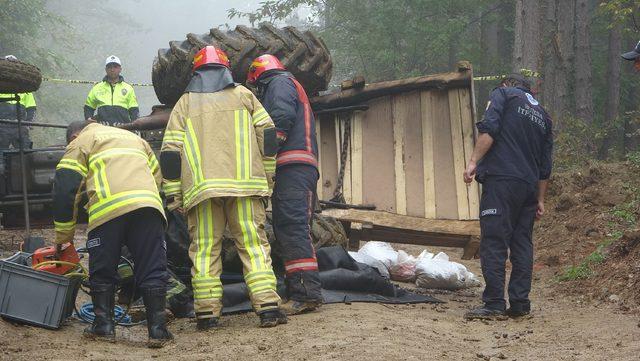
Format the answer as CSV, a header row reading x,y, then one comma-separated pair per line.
x,y
407,145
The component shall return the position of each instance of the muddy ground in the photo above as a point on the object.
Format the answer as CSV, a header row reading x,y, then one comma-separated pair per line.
x,y
561,328
594,317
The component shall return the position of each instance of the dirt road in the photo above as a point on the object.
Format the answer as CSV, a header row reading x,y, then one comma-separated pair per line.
x,y
562,328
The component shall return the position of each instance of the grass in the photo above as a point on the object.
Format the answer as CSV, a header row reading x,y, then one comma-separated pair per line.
x,y
584,269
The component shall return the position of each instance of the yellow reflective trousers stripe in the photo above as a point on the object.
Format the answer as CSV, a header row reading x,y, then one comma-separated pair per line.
x,y
250,234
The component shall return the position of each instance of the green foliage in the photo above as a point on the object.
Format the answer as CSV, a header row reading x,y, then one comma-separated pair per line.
x,y
584,269
620,11
385,40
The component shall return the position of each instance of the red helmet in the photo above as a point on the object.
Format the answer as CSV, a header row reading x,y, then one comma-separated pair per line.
x,y
210,55
261,64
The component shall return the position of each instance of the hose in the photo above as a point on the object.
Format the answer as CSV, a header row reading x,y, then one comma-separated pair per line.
x,y
85,313
86,310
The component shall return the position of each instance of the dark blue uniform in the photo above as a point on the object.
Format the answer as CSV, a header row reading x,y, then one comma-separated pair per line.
x,y
519,157
296,178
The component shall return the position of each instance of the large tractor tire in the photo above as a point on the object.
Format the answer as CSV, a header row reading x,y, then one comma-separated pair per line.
x,y
18,77
302,53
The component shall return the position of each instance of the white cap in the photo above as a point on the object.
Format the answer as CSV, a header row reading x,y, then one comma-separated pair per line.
x,y
112,59
11,57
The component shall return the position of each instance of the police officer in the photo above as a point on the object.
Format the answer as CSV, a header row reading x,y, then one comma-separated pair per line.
x,y
9,136
112,101
296,177
512,160
121,176
218,148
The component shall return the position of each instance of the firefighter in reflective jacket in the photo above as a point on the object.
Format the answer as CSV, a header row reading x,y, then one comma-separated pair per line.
x,y
121,177
112,100
217,160
9,137
296,177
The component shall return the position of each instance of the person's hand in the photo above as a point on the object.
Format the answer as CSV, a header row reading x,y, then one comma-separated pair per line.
x,y
540,210
470,172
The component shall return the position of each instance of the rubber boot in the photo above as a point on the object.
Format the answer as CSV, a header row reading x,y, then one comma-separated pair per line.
x,y
293,307
103,326
272,318
154,302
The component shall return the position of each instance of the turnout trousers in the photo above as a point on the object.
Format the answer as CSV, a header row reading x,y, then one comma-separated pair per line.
x,y
245,217
142,231
507,213
293,202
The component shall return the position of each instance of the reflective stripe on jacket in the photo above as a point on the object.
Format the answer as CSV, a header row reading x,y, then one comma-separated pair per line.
x,y
287,103
220,141
118,170
114,103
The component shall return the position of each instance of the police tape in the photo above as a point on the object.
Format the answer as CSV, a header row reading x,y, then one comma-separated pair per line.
x,y
524,72
56,80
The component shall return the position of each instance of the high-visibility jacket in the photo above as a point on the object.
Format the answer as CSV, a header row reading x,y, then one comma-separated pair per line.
x,y
27,107
115,103
219,144
118,170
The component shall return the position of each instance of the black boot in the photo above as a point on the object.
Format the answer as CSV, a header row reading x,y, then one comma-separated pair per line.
x,y
154,302
272,318
485,313
103,298
204,324
181,305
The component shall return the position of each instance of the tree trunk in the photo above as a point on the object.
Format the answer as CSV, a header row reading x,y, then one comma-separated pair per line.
x,y
527,42
612,104
551,60
584,98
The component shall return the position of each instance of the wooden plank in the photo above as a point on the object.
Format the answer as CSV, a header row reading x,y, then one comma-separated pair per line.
x,y
427,116
445,183
458,154
387,219
377,155
413,159
318,129
370,91
466,112
328,156
356,157
399,107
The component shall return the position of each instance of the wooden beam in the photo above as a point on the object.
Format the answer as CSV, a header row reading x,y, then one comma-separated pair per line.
x,y
398,106
467,136
386,219
356,157
458,154
319,186
374,90
427,155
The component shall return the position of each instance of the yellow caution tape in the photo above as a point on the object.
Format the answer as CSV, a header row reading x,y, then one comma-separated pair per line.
x,y
524,72
55,80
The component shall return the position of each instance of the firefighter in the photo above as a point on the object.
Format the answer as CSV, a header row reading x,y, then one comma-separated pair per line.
x,y
216,156
9,137
112,101
294,194
512,159
121,177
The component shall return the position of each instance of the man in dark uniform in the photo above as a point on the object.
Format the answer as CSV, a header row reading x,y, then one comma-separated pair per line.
x,y
513,155
296,178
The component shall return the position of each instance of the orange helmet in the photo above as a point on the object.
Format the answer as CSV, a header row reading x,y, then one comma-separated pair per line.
x,y
210,55
260,65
